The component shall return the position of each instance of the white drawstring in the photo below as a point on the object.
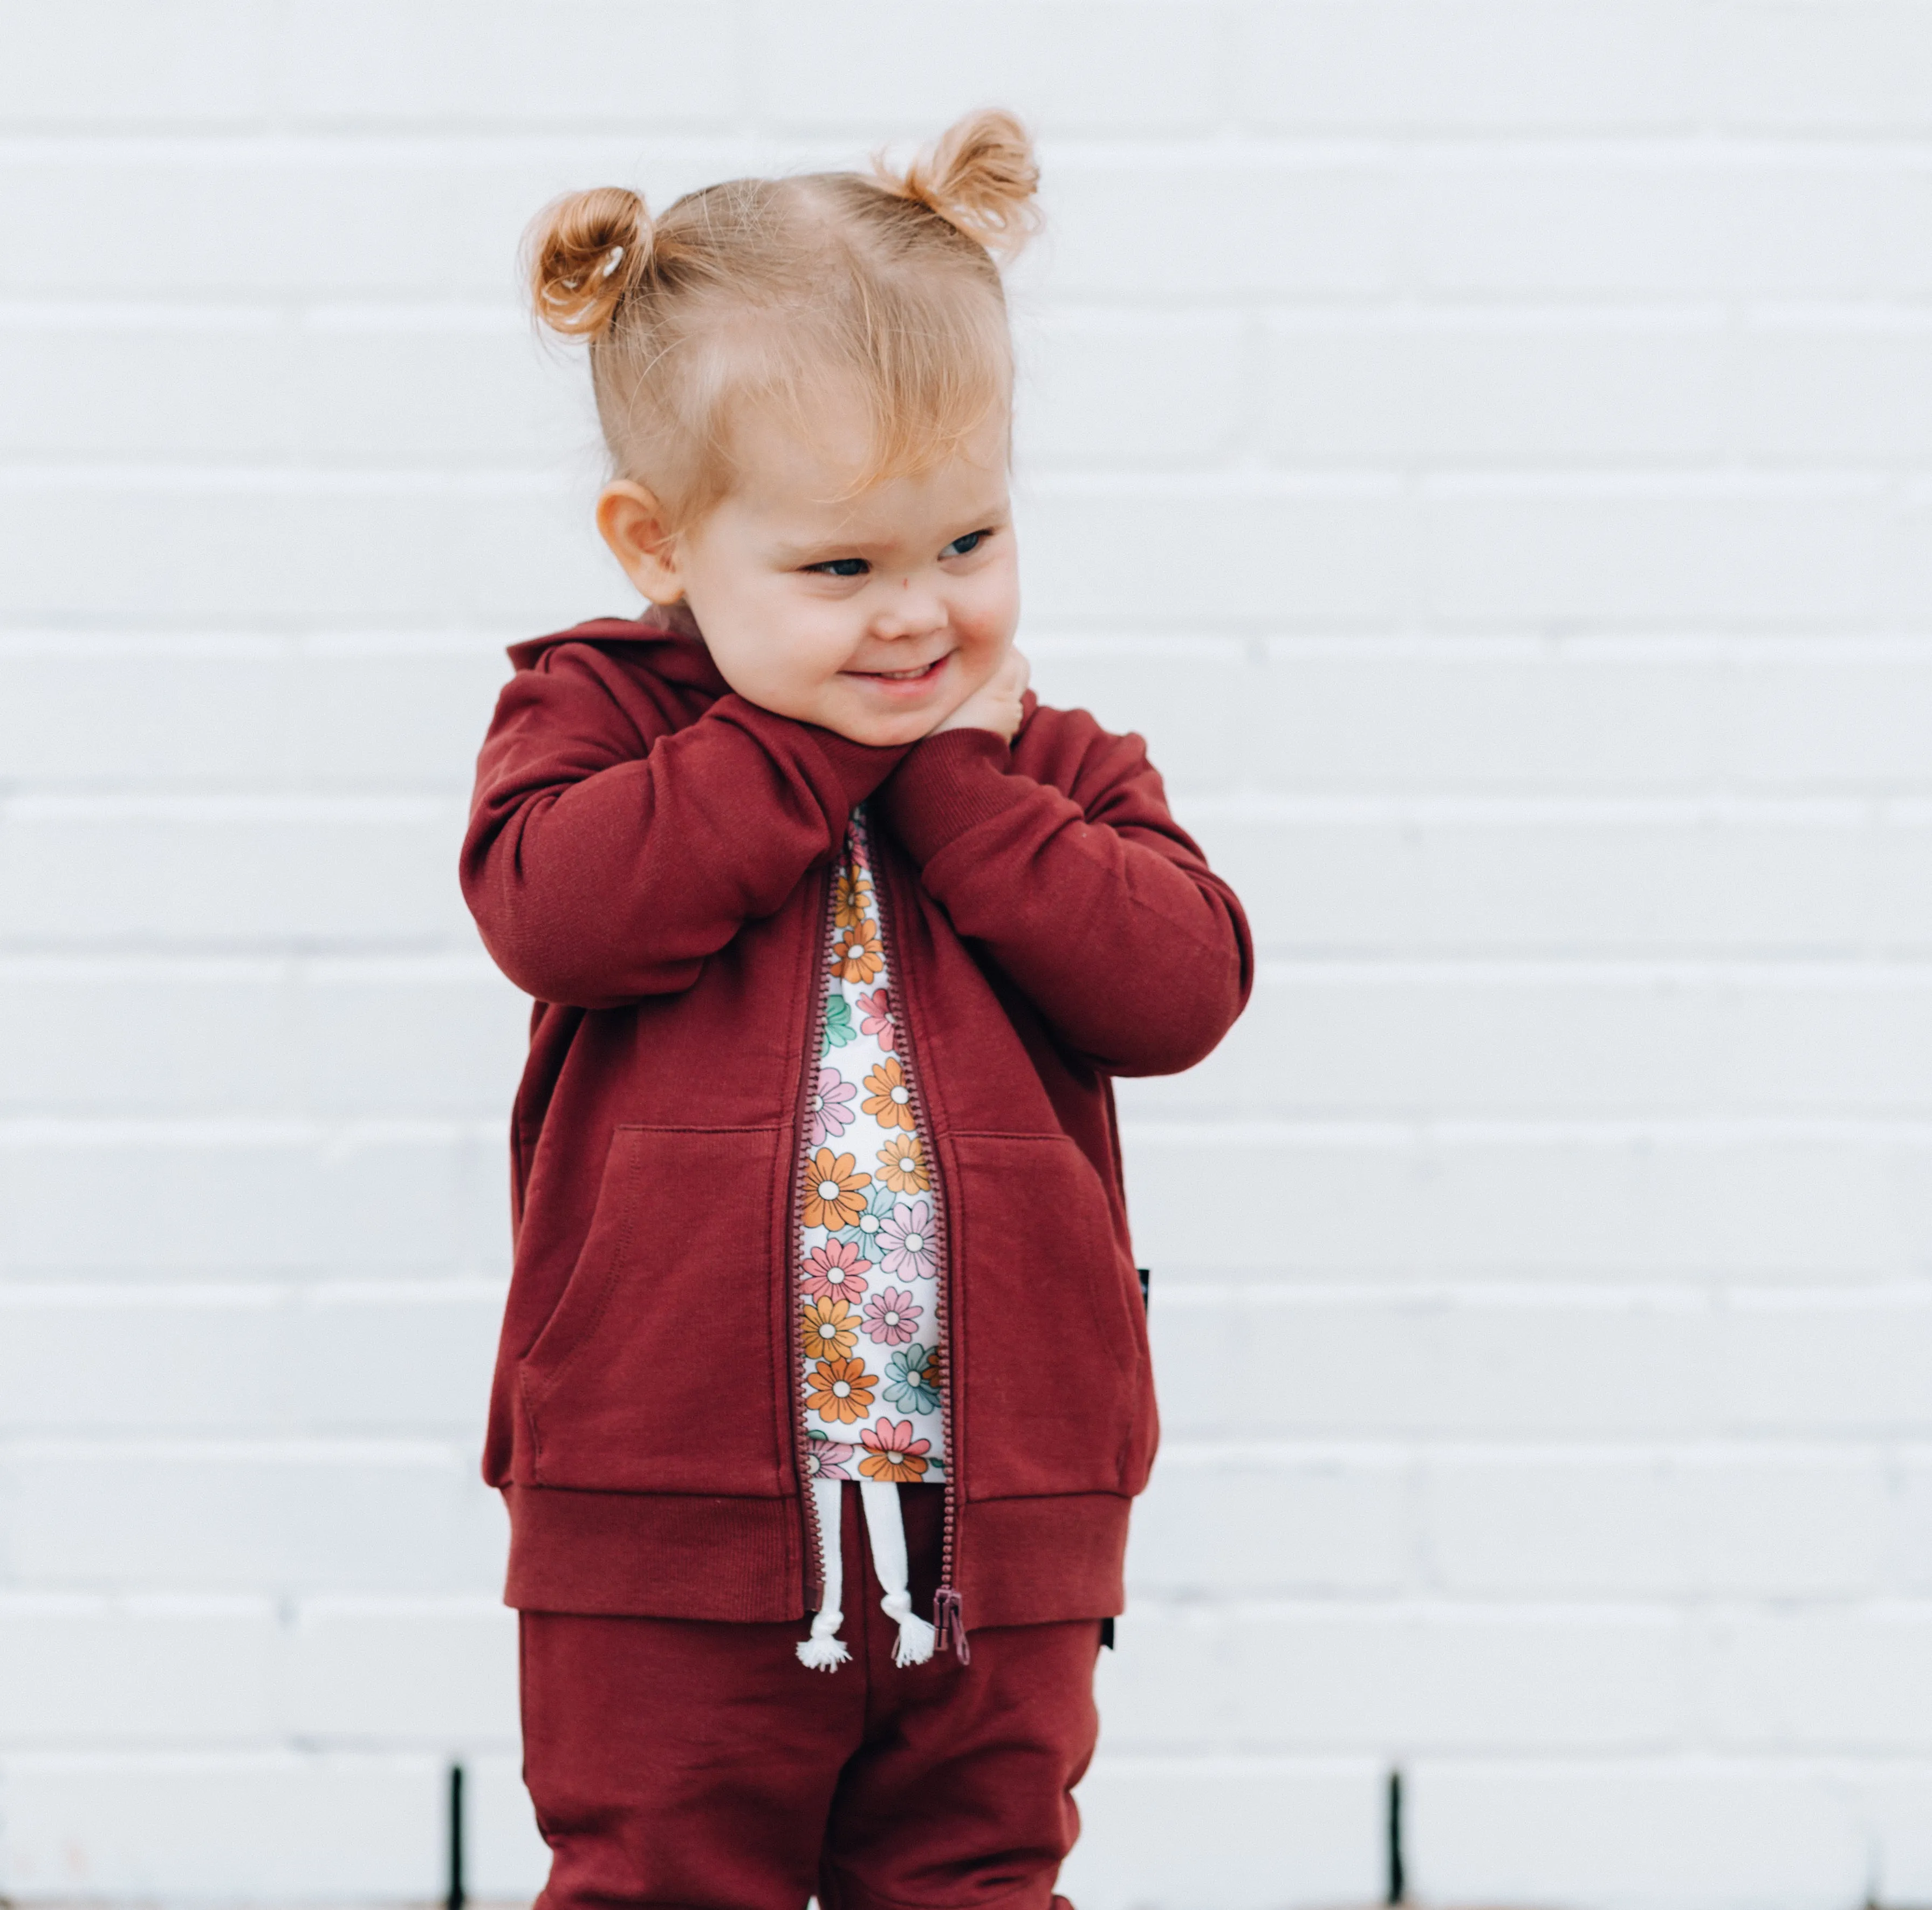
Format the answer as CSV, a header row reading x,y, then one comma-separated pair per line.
x,y
823,1651
884,1527
887,1531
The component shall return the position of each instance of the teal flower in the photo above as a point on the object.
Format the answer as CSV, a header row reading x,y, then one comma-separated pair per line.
x,y
864,1233
907,1384
839,1028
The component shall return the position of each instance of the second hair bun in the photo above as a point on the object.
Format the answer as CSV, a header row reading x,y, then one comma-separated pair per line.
x,y
980,174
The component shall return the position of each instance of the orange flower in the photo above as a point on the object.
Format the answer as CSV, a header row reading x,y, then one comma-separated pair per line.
x,y
902,1165
851,897
831,1330
833,1195
855,954
892,1453
840,1390
891,1101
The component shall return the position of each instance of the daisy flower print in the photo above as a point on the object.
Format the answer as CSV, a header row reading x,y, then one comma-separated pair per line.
x,y
870,1242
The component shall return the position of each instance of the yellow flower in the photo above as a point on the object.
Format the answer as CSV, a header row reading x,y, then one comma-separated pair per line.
x,y
840,1390
833,1193
902,1165
890,1102
851,897
857,955
830,1329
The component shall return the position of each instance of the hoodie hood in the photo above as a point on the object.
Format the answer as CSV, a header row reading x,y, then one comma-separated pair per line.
x,y
667,631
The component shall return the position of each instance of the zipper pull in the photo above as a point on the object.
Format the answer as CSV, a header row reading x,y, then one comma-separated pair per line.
x,y
949,1620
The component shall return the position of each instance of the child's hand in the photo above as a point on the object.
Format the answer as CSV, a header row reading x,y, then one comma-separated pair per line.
x,y
995,704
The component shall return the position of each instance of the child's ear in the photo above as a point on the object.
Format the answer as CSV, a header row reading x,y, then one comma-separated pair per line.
x,y
631,521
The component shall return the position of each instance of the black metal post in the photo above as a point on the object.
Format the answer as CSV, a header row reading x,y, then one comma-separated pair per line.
x,y
1398,1884
457,1896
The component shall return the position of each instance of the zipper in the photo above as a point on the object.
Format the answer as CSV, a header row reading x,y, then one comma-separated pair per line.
x,y
808,1073
949,1613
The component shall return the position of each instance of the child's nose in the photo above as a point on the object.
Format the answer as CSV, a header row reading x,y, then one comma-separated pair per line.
x,y
911,610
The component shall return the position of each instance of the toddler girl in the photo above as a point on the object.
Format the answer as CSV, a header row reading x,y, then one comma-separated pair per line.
x,y
824,1353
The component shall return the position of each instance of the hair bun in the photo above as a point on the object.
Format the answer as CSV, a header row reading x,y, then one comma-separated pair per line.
x,y
980,175
585,252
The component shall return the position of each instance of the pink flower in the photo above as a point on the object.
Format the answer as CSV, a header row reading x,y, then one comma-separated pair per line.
x,y
826,1458
892,1453
835,1271
876,1009
828,1111
907,1237
891,1317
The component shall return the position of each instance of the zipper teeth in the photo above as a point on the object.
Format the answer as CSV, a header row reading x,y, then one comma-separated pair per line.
x,y
814,1032
942,1309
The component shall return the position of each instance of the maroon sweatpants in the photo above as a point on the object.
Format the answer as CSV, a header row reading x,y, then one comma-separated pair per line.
x,y
675,1762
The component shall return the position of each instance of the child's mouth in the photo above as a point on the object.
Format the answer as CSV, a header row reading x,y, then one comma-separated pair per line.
x,y
918,673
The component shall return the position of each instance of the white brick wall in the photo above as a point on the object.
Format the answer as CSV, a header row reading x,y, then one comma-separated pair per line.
x,y
1485,444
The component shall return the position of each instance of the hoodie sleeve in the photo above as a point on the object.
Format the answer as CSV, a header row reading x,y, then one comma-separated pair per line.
x,y
610,850
1076,879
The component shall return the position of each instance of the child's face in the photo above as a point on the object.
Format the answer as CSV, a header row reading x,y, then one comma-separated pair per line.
x,y
875,615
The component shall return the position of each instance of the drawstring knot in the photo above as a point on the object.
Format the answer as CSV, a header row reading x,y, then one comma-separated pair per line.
x,y
885,1529
823,1650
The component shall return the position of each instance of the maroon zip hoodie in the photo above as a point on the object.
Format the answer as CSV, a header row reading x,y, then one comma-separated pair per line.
x,y
649,855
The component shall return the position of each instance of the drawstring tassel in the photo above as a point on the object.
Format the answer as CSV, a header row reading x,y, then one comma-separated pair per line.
x,y
916,1639
949,1618
887,1531
824,1650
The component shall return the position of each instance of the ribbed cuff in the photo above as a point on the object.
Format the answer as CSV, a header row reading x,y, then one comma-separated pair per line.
x,y
947,785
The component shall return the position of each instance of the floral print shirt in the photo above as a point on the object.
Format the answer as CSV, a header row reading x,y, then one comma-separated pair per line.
x,y
868,1255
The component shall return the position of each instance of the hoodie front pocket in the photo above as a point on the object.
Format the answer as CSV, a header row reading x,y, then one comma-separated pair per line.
x,y
659,1371
1054,1354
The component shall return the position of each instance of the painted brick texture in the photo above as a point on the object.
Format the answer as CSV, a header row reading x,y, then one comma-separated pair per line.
x,y
1485,445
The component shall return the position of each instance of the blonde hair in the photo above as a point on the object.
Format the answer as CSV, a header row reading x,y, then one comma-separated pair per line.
x,y
755,290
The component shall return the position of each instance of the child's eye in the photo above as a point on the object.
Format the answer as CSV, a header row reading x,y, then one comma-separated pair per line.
x,y
965,546
841,567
